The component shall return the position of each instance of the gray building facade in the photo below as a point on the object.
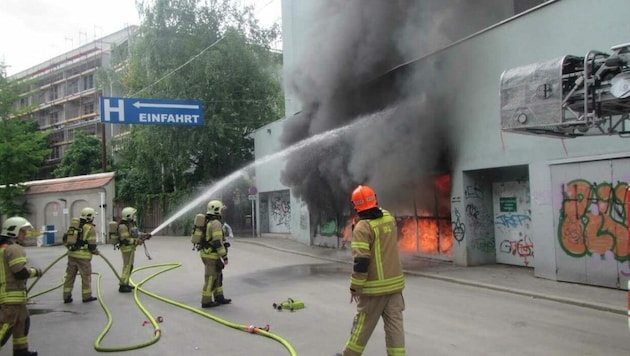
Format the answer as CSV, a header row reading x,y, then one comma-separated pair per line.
x,y
556,205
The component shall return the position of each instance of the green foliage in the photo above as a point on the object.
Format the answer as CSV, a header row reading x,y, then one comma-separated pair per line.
x,y
198,50
23,149
82,157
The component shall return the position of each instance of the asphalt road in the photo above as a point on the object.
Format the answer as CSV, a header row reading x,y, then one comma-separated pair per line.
x,y
442,318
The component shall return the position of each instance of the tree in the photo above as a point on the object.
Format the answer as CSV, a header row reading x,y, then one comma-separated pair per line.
x,y
23,148
83,156
208,51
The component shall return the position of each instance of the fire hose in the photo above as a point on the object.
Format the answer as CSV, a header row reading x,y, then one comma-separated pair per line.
x,y
157,331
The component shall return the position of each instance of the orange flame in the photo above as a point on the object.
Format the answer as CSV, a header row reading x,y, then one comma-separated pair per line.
x,y
425,231
429,236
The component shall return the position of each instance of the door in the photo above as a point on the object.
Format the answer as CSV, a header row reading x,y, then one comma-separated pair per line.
x,y
512,223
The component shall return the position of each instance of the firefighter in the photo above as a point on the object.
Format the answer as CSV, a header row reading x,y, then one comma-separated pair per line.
x,y
14,316
377,279
80,258
213,254
129,238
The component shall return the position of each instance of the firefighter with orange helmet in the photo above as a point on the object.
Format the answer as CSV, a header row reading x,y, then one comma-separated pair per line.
x,y
14,316
377,279
80,258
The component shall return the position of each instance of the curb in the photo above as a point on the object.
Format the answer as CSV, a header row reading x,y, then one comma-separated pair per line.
x,y
526,293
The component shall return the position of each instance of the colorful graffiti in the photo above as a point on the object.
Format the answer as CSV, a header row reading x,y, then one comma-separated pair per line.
x,y
511,220
328,228
523,248
592,219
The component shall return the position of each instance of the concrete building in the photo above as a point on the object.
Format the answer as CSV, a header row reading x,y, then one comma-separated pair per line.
x,y
64,93
554,204
53,202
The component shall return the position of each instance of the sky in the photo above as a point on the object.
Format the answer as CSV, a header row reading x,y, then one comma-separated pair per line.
x,y
33,31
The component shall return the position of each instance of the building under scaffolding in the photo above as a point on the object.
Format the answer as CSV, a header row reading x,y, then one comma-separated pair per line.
x,y
63,93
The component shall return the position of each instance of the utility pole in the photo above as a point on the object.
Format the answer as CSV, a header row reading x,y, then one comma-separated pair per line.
x,y
103,149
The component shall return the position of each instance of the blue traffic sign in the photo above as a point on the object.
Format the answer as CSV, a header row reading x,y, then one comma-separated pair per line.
x,y
151,111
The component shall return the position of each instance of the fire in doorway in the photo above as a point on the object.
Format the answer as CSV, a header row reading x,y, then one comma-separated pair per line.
x,y
429,232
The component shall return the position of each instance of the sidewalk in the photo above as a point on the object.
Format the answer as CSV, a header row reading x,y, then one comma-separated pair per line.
x,y
505,278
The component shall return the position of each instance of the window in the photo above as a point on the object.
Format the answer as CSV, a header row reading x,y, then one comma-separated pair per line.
x,y
88,108
56,137
54,92
55,154
54,117
73,87
88,82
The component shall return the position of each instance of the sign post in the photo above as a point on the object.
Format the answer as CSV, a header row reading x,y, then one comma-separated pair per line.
x,y
252,198
253,191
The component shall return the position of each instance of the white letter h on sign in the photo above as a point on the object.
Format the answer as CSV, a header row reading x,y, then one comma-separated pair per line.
x,y
108,110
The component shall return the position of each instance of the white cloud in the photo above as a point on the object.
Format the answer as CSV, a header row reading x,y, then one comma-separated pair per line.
x,y
33,31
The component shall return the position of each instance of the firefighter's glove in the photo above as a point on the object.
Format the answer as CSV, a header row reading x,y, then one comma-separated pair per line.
x,y
96,252
146,236
354,295
221,262
37,272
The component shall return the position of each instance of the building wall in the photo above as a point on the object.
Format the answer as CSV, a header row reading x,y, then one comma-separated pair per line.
x,y
49,208
484,156
589,216
268,167
479,62
300,20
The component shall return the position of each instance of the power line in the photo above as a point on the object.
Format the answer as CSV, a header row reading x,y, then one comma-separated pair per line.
x,y
180,67
192,58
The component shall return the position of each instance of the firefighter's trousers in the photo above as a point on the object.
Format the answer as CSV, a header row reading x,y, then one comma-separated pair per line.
x,y
84,267
14,321
128,256
369,310
210,279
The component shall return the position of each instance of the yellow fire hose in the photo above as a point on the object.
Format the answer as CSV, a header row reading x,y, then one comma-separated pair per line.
x,y
155,323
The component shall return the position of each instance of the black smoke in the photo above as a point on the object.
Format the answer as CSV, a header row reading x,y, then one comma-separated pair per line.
x,y
358,69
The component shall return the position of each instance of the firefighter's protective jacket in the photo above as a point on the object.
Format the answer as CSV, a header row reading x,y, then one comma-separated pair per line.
x,y
13,260
128,235
213,244
377,240
88,237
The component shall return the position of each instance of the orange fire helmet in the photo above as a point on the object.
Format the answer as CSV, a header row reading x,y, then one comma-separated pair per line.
x,y
364,198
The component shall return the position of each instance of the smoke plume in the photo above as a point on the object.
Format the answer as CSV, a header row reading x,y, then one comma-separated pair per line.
x,y
350,71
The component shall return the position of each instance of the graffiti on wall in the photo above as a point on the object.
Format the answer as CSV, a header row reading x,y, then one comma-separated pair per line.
x,y
473,192
281,211
511,221
479,223
479,220
328,228
523,248
459,229
592,220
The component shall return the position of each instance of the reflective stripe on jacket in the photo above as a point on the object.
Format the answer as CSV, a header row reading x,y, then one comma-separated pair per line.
x,y
377,240
214,231
126,237
13,260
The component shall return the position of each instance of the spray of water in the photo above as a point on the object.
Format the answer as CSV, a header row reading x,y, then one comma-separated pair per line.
x,y
312,141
